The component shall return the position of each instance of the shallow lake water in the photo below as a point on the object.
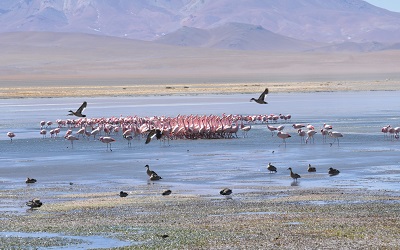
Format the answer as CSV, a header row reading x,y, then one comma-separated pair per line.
x,y
364,156
366,159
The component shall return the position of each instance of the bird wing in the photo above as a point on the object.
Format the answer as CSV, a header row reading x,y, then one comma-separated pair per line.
x,y
82,107
262,96
150,135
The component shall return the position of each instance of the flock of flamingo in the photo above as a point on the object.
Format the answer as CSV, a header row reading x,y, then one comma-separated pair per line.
x,y
184,127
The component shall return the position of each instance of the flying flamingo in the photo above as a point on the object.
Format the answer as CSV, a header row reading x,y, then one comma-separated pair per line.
x,y
11,135
283,136
336,135
107,140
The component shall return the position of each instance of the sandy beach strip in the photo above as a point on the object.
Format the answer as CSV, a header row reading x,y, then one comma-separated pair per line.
x,y
121,88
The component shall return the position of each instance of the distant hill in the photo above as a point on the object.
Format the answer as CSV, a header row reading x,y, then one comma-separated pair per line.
x,y
236,36
209,23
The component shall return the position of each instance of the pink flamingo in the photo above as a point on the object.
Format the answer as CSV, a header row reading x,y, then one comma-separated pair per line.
x,y
385,130
272,129
310,135
11,135
43,132
72,138
129,138
245,129
336,135
324,133
107,140
283,136
301,133
298,126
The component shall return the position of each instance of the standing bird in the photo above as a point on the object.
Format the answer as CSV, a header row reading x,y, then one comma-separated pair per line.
x,y
154,132
148,171
123,194
311,169
107,140
295,176
78,112
71,138
11,135
260,99
271,168
283,136
336,135
129,138
155,177
333,171
225,191
34,203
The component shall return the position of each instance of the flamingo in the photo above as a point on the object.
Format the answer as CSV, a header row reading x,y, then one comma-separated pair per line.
x,y
336,135
283,136
301,133
72,138
272,129
43,132
324,133
11,135
79,111
129,138
310,135
107,140
260,99
245,129
298,126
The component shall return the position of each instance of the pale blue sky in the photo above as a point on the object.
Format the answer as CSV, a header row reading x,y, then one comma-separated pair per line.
x,y
392,5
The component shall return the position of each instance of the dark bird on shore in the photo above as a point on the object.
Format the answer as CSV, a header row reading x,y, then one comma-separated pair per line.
x,y
79,111
333,171
154,132
260,99
295,176
30,180
155,177
167,192
149,172
34,203
311,169
225,191
123,194
271,168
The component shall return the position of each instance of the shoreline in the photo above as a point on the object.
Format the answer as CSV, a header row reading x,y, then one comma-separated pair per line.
x,y
289,218
48,90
